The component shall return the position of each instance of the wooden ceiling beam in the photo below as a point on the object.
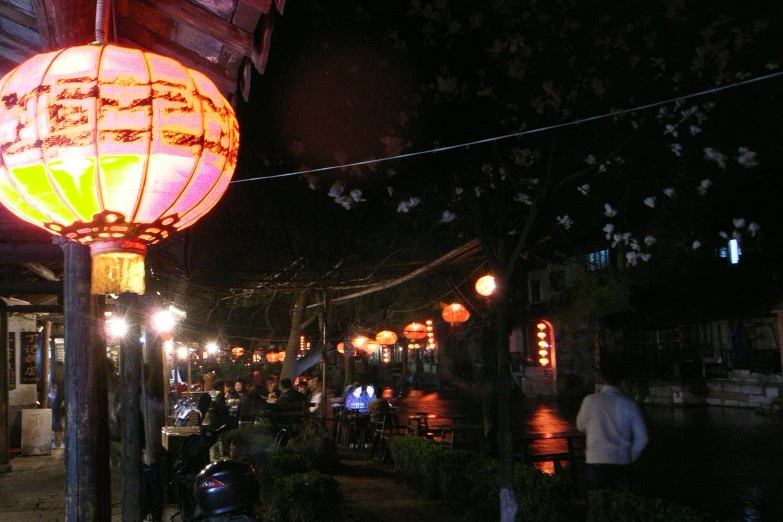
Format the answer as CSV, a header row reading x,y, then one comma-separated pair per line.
x,y
65,23
15,50
9,11
205,21
30,253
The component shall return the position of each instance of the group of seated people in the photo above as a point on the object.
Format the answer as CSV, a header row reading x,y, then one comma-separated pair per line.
x,y
234,403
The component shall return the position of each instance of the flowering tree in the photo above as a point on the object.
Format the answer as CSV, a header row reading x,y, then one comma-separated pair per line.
x,y
549,123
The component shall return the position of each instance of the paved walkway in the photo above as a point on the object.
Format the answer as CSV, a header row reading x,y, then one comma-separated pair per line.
x,y
34,490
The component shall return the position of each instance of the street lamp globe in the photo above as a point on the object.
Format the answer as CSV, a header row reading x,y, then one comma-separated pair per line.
x,y
485,285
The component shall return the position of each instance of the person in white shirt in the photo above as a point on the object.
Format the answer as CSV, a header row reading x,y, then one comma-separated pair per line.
x,y
615,431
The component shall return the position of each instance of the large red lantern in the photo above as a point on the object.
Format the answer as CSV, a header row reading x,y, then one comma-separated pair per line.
x,y
415,331
455,313
115,148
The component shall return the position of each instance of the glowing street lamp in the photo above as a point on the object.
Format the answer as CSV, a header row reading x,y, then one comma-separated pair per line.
x,y
485,285
116,328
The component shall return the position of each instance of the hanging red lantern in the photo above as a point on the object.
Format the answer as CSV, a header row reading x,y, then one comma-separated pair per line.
x,y
237,351
415,331
271,357
386,337
115,148
455,313
341,347
371,346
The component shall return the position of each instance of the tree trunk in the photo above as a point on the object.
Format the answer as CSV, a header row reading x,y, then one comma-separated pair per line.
x,y
297,315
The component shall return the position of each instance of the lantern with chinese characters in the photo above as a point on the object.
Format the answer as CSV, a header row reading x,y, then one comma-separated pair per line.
x,y
386,337
415,331
455,313
115,148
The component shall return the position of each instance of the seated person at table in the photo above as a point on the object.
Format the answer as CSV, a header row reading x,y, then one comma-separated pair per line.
x,y
230,394
272,393
289,399
315,394
359,398
252,404
377,407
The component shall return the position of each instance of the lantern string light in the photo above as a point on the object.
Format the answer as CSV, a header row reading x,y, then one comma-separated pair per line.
x,y
612,114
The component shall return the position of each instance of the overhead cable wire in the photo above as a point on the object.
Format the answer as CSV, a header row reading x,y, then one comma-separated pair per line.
x,y
520,133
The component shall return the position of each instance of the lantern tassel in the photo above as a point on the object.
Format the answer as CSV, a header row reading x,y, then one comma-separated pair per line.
x,y
118,267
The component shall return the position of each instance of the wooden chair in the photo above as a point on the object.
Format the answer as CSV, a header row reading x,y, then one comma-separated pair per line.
x,y
387,426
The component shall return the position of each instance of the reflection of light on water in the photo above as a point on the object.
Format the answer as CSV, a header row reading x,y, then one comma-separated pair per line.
x,y
544,419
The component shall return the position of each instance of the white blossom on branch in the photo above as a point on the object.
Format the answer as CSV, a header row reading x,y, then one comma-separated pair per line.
x,y
609,211
716,156
448,216
650,201
565,221
747,158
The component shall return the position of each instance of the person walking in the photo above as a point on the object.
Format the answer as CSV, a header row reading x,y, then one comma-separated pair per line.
x,y
615,430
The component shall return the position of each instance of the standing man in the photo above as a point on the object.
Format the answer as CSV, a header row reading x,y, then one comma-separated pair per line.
x,y
615,430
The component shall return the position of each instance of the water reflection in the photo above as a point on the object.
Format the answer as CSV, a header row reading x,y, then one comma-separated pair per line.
x,y
720,460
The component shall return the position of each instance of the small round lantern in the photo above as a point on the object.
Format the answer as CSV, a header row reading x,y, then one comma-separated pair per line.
x,y
237,351
115,148
386,337
371,346
341,347
485,285
271,357
415,331
455,313
359,341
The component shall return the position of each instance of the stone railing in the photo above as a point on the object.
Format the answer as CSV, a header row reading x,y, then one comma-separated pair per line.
x,y
741,389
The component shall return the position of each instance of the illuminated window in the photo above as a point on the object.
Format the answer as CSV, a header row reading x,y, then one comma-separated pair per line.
x,y
597,260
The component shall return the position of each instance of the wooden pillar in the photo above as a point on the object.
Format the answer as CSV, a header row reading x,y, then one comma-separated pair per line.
x,y
43,380
157,386
130,369
5,466
87,488
779,327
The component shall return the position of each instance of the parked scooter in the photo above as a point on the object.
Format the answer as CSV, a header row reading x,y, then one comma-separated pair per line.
x,y
223,491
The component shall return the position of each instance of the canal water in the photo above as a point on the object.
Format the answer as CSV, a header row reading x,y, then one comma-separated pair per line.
x,y
725,461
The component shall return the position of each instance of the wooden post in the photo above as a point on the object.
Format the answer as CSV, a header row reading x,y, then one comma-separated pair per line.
x,y
43,381
130,369
779,325
5,466
87,488
157,386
